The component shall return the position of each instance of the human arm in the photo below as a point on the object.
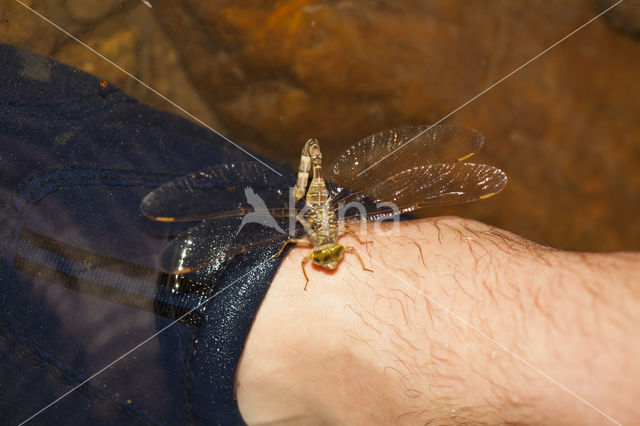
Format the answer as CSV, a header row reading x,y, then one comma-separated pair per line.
x,y
459,322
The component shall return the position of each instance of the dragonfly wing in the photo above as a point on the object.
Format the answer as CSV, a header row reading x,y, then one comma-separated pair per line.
x,y
221,191
425,186
213,242
390,152
197,247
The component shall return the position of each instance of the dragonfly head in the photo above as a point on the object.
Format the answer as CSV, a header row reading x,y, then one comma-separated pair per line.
x,y
328,257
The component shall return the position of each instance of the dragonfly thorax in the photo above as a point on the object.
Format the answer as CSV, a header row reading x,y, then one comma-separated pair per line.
x,y
328,256
321,225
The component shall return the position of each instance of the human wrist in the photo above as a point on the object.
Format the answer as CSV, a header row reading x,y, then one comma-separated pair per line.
x,y
590,352
458,321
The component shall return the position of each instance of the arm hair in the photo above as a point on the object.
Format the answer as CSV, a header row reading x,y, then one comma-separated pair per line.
x,y
460,323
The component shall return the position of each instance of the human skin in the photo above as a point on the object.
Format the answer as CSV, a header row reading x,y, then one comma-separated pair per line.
x,y
459,323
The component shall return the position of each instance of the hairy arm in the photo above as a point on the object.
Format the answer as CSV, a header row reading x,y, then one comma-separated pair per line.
x,y
460,323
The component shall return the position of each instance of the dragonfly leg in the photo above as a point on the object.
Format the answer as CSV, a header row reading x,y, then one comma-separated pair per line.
x,y
356,236
289,241
352,250
305,260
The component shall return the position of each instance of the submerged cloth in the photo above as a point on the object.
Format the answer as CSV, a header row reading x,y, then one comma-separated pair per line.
x,y
79,286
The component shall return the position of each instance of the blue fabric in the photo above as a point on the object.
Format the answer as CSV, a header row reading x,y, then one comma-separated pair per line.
x,y
78,284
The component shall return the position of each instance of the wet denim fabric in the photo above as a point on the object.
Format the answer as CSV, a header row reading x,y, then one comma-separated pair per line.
x,y
78,280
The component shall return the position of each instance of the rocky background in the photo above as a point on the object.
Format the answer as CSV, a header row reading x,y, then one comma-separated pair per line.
x,y
270,74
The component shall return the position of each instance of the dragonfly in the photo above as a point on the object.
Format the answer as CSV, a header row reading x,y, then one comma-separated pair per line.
x,y
379,177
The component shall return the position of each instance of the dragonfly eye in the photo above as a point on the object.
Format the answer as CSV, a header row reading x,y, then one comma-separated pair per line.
x,y
322,257
337,252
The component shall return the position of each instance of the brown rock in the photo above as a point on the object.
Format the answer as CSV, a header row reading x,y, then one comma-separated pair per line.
x,y
564,128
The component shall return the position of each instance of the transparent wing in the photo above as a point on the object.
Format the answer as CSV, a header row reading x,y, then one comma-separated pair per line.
x,y
423,186
379,156
250,205
214,241
218,192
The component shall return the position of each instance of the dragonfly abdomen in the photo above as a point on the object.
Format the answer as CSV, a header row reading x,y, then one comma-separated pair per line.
x,y
311,157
